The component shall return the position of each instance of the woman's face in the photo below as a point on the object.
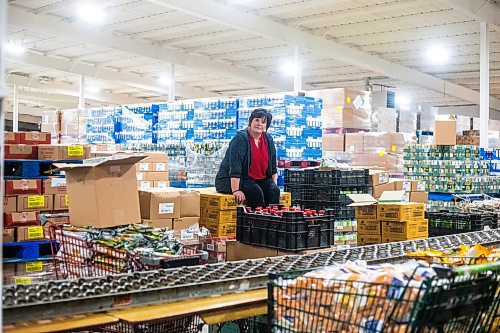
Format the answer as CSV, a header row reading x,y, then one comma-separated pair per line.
x,y
258,125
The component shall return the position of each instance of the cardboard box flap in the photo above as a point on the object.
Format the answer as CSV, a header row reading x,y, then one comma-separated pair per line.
x,y
361,199
100,161
391,196
444,117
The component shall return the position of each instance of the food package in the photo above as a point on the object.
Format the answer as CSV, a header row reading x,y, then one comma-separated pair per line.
x,y
460,256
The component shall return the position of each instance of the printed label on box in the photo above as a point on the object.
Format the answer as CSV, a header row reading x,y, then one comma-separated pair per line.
x,y
166,208
66,200
210,247
143,166
111,147
35,232
34,266
358,101
160,167
187,234
406,186
140,176
145,184
76,150
384,178
36,201
23,280
56,182
421,186
162,184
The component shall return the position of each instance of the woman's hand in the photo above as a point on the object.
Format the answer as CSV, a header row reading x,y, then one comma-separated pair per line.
x,y
239,196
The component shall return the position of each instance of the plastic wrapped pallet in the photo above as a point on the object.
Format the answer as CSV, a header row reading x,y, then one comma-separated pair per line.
x,y
73,126
408,120
427,116
343,108
136,123
50,123
386,118
463,124
101,124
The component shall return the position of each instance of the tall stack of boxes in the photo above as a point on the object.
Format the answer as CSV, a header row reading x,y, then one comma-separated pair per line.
x,y
218,213
152,172
388,220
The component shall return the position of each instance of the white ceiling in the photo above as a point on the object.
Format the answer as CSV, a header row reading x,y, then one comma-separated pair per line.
x,y
237,47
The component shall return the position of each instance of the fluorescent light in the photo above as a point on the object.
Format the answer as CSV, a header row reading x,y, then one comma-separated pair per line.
x,y
438,55
164,80
14,49
92,89
289,68
402,100
91,12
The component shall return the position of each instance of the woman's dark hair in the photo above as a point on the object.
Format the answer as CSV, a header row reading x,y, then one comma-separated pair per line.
x,y
261,113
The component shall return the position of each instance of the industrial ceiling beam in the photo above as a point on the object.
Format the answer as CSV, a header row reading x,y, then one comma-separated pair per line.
x,y
235,18
106,74
60,29
480,10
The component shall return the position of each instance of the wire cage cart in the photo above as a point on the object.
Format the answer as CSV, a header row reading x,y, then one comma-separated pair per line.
x,y
188,324
459,300
76,257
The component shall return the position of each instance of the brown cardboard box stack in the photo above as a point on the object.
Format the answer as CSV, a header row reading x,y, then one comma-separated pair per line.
x,y
388,220
470,138
152,172
175,209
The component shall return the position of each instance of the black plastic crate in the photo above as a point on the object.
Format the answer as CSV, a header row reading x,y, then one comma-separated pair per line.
x,y
291,240
313,236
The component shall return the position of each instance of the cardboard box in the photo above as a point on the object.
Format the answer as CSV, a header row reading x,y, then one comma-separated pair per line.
x,y
369,227
63,152
156,175
159,223
218,201
240,251
20,152
405,230
11,137
190,203
369,239
333,142
218,230
161,184
354,142
160,166
378,178
8,236
400,211
187,230
54,186
10,204
410,185
420,197
23,186
104,192
31,203
215,216
61,202
29,233
145,184
286,199
379,189
20,219
54,221
159,204
35,138
155,157
445,129
393,239
143,167
186,222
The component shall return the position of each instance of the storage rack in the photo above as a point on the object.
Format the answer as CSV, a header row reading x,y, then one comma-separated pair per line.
x,y
60,298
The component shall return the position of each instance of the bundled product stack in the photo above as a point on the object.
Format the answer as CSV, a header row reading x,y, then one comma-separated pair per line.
x,y
215,120
136,123
323,189
469,138
389,219
32,186
175,122
152,172
101,124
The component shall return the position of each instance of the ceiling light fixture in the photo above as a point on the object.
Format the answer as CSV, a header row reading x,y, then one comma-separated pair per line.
x,y
164,80
289,68
92,89
438,55
14,48
402,101
91,12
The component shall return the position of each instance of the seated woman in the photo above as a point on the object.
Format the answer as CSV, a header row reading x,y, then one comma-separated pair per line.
x,y
248,170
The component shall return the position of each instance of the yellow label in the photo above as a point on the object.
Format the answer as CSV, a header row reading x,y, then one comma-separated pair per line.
x,y
35,232
339,108
393,148
34,266
381,153
75,150
36,201
66,200
348,99
23,280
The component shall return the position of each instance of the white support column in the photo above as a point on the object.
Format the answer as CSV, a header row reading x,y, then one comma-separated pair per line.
x,y
81,99
484,85
297,76
15,115
171,88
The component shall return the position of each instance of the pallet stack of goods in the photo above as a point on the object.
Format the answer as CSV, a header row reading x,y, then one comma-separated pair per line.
x,y
389,219
136,123
329,189
32,187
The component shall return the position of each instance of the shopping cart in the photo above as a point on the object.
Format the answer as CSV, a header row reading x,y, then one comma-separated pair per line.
x,y
75,256
459,300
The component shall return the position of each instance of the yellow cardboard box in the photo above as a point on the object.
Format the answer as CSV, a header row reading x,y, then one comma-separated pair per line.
x,y
369,239
400,211
218,201
286,199
219,216
369,227
405,230
219,230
